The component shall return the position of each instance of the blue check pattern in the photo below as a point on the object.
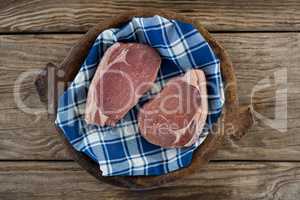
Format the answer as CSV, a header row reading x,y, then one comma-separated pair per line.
x,y
121,150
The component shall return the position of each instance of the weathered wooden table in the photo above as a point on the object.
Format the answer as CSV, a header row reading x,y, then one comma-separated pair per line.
x,y
263,40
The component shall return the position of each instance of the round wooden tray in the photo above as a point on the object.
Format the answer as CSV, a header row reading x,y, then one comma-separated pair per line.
x,y
235,120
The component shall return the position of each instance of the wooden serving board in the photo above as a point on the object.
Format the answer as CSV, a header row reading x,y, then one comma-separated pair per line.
x,y
235,120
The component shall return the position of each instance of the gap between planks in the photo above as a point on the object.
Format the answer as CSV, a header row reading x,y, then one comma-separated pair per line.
x,y
211,161
83,32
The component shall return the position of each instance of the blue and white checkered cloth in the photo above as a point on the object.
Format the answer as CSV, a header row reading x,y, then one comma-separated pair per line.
x,y
122,150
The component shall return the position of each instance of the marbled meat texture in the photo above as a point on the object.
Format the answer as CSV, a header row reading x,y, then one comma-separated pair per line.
x,y
125,73
176,116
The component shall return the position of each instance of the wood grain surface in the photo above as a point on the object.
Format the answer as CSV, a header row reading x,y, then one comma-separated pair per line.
x,y
256,56
261,37
218,180
78,15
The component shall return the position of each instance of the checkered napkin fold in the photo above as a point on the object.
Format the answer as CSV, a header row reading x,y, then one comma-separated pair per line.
x,y
121,150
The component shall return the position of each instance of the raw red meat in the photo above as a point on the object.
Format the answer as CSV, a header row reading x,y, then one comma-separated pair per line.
x,y
176,116
125,73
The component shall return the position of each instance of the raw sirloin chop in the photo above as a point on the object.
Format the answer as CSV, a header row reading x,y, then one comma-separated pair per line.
x,y
125,73
176,116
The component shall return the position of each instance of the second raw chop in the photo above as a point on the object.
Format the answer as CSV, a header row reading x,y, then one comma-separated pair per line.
x,y
177,115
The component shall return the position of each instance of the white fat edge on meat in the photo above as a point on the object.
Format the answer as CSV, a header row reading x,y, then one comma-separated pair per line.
x,y
203,109
103,67
195,78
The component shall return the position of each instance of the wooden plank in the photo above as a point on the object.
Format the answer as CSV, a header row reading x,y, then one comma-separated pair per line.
x,y
77,15
255,56
221,180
